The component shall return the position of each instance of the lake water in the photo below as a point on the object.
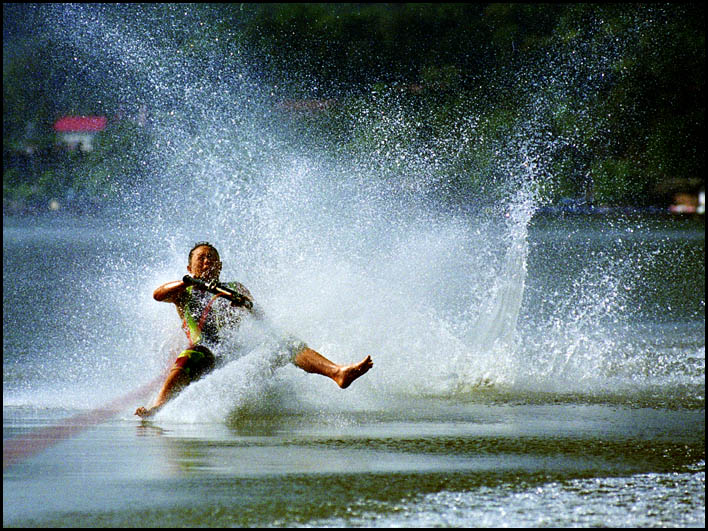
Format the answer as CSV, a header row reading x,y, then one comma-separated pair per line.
x,y
559,381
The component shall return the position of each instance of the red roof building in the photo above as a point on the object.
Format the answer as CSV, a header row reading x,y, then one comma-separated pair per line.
x,y
80,124
79,131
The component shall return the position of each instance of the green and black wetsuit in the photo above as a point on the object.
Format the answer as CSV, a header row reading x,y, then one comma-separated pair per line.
x,y
203,316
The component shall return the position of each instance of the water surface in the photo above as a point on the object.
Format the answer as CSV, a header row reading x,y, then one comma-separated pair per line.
x,y
595,417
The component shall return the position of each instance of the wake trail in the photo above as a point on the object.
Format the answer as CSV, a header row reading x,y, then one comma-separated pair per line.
x,y
24,446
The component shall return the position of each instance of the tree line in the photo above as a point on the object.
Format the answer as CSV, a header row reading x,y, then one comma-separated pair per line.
x,y
621,84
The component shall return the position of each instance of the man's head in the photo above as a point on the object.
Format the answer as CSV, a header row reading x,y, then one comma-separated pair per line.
x,y
204,261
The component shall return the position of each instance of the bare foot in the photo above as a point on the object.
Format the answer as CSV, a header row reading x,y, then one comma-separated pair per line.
x,y
144,412
349,373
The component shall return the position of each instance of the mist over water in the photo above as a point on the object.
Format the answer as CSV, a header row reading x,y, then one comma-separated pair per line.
x,y
344,254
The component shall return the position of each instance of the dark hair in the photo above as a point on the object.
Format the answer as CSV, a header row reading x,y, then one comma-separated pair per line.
x,y
201,244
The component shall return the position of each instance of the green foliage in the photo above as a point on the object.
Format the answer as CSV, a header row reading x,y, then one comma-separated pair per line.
x,y
452,84
618,181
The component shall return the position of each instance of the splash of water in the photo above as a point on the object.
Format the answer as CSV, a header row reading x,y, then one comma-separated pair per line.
x,y
342,251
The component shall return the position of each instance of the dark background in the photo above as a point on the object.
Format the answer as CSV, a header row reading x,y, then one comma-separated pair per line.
x,y
622,84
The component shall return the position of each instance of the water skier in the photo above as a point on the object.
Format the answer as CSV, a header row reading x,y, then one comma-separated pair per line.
x,y
207,306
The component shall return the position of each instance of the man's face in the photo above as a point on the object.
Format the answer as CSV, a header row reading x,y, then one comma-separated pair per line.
x,y
205,263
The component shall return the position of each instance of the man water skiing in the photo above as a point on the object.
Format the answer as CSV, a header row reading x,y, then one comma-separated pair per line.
x,y
206,307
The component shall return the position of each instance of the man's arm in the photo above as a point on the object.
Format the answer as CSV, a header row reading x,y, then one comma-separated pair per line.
x,y
170,292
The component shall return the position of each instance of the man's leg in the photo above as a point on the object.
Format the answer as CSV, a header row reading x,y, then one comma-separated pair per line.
x,y
190,365
313,362
176,381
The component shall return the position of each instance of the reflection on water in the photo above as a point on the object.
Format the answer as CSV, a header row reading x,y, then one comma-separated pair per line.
x,y
596,402
574,503
448,465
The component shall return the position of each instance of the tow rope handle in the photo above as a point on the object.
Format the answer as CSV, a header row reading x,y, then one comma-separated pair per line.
x,y
219,289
